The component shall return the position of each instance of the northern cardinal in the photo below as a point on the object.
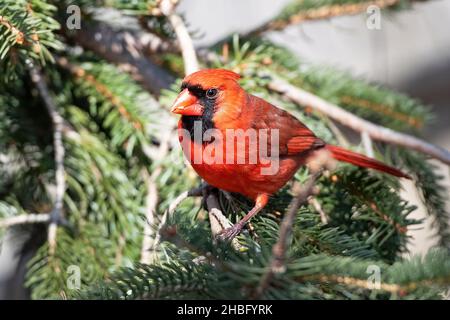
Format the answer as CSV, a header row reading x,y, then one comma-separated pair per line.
x,y
214,99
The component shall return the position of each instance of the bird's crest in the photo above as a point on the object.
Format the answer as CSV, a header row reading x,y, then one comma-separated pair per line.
x,y
211,77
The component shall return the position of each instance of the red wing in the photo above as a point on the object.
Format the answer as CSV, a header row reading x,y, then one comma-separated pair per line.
x,y
294,136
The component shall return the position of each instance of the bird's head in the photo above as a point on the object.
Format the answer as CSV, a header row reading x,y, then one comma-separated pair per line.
x,y
207,91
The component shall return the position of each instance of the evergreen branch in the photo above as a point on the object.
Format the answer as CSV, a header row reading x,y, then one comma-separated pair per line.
x,y
152,237
432,191
191,65
27,31
301,11
401,289
58,125
19,35
155,282
356,123
147,252
404,277
102,89
409,119
25,219
277,262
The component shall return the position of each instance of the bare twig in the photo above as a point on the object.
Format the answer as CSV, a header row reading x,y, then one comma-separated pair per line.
x,y
184,39
367,143
147,254
196,192
318,208
356,123
151,236
25,219
177,201
277,263
340,137
58,124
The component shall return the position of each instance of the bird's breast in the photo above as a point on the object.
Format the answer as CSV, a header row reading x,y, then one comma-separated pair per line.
x,y
237,163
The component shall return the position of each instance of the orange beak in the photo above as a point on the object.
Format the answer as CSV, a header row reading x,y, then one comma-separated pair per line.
x,y
187,104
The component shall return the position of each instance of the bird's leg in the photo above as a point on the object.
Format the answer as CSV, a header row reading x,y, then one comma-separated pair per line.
x,y
230,233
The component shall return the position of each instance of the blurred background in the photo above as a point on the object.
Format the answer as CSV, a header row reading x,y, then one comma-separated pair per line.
x,y
409,53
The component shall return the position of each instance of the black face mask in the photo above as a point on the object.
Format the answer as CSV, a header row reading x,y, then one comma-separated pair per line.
x,y
206,119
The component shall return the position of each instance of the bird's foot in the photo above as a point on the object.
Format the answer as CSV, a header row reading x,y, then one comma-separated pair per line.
x,y
230,233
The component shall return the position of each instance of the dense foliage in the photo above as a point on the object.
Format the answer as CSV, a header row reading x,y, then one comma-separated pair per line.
x,y
114,137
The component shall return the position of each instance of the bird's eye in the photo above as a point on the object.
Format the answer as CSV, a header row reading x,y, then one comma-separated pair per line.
x,y
211,93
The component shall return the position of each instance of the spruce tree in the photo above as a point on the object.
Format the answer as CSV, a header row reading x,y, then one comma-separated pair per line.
x,y
92,170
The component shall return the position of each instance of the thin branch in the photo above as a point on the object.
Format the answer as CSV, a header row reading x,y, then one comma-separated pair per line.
x,y
218,221
367,143
196,192
382,286
340,137
277,263
147,254
356,123
184,39
19,35
319,13
58,125
151,236
177,201
25,219
318,208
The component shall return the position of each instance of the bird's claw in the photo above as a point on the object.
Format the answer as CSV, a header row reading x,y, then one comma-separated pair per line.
x,y
230,233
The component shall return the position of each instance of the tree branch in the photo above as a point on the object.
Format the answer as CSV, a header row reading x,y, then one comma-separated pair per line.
x,y
218,221
25,219
367,143
184,39
147,254
58,124
356,123
277,263
318,13
151,236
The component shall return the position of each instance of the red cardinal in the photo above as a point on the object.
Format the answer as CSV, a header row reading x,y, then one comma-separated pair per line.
x,y
212,99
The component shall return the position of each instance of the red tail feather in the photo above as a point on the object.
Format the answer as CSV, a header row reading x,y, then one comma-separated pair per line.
x,y
363,161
